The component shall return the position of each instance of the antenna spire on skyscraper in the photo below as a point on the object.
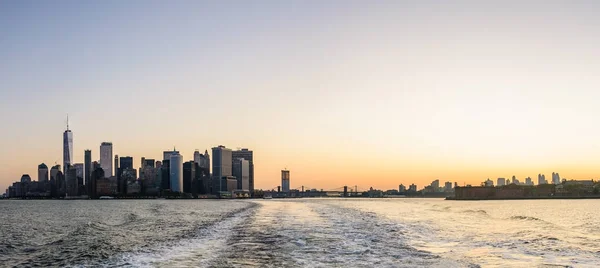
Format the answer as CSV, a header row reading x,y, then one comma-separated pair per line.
x,y
67,121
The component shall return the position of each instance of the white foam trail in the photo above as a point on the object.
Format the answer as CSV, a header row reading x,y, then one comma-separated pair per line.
x,y
195,252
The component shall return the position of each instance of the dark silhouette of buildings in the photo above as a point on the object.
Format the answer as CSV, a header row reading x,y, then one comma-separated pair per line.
x,y
249,156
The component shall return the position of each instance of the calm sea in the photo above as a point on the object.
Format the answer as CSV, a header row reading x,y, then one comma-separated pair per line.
x,y
300,233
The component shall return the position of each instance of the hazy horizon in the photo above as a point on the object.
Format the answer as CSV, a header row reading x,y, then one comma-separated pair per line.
x,y
339,92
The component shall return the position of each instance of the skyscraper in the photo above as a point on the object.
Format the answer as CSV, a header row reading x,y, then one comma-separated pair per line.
x,y
248,155
79,174
126,162
87,161
176,175
555,178
435,185
71,181
285,180
241,171
54,172
189,176
96,174
116,165
167,154
42,173
106,158
79,170
202,180
542,179
197,157
448,186
528,181
67,147
221,167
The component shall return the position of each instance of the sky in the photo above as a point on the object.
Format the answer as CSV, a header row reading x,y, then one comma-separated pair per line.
x,y
366,93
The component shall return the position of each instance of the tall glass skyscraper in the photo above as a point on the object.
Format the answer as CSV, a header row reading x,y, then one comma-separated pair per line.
x,y
221,167
88,166
106,158
285,181
67,147
176,162
248,155
43,173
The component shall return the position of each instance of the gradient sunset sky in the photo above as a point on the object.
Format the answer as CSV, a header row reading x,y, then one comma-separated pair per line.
x,y
367,93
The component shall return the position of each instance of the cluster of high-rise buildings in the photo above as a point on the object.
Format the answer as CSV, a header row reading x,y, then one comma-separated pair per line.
x,y
232,175
433,187
556,179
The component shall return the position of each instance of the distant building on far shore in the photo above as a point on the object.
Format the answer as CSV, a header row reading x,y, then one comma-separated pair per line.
x,y
528,181
285,180
402,188
412,188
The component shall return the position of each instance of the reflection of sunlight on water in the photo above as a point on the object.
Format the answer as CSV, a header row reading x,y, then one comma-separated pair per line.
x,y
496,233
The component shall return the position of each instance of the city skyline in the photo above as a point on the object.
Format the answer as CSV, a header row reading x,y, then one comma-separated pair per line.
x,y
240,153
411,90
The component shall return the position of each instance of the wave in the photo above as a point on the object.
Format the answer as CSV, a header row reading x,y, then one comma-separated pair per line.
x,y
471,211
202,249
525,218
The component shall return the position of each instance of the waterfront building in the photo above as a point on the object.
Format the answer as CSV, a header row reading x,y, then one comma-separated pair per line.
x,y
116,166
43,173
71,181
241,171
189,174
96,174
176,172
501,182
228,184
54,172
149,176
448,187
87,161
165,174
248,155
221,168
106,158
143,164
285,180
435,186
67,147
555,178
528,181
79,174
412,188
402,188
542,179
489,183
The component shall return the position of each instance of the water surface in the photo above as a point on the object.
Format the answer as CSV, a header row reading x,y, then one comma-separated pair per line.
x,y
300,232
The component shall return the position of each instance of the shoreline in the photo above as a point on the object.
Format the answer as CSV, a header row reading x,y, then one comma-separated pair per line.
x,y
522,198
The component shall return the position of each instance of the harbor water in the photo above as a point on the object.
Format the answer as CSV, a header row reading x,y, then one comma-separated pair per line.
x,y
324,232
